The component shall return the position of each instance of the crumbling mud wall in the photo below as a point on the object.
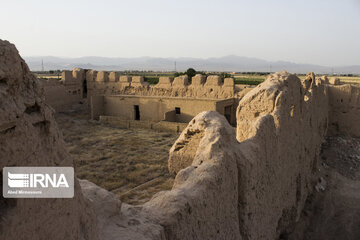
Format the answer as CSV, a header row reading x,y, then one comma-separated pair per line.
x,y
29,137
203,202
344,113
111,83
62,95
281,125
74,80
59,97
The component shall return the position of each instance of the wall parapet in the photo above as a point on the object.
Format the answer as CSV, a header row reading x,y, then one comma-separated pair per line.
x,y
104,82
280,125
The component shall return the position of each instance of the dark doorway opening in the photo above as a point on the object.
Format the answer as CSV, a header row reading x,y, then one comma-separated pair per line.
x,y
227,113
136,112
84,89
177,110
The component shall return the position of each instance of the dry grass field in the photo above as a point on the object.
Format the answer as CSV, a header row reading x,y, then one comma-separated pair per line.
x,y
132,163
49,76
248,79
351,80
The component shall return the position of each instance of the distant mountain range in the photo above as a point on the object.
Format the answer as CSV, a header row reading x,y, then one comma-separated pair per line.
x,y
225,64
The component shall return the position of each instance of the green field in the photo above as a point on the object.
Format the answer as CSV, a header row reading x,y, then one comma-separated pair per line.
x,y
248,79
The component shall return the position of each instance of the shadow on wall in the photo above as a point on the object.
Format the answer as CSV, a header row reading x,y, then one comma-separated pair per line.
x,y
177,116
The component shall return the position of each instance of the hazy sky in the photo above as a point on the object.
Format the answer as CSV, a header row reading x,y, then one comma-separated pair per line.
x,y
325,32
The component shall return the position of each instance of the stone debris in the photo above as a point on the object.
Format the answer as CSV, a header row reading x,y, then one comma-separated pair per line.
x,y
321,185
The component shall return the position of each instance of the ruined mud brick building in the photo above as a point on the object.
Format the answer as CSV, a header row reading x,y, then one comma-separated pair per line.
x,y
129,100
251,183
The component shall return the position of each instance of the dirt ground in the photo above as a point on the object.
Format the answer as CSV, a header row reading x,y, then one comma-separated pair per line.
x,y
132,163
333,211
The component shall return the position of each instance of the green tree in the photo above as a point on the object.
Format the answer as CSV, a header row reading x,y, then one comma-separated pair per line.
x,y
190,72
224,75
178,74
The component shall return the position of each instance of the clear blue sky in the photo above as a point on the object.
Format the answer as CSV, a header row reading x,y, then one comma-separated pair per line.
x,y
325,32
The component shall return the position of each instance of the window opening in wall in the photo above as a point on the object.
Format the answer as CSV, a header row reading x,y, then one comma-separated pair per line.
x,y
84,88
136,112
227,113
177,110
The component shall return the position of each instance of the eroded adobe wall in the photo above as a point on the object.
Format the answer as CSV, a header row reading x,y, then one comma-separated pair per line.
x,y
227,108
111,83
73,79
29,137
203,202
281,125
60,98
344,112
97,107
62,95
153,108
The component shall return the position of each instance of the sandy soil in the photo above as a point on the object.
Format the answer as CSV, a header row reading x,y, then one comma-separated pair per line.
x,y
333,211
132,163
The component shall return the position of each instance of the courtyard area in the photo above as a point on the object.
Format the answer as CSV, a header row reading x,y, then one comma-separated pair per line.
x,y
132,163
